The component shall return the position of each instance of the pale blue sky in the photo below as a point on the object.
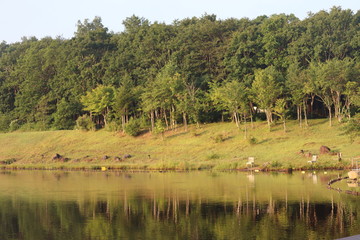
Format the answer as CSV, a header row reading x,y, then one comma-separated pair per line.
x,y
53,18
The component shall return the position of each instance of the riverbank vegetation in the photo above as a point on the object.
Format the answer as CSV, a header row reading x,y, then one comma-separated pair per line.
x,y
166,93
220,146
155,76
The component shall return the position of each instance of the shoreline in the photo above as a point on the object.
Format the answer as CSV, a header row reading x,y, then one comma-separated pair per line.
x,y
112,168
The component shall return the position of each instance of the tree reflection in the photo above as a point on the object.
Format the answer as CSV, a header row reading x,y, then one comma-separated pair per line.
x,y
169,217
189,207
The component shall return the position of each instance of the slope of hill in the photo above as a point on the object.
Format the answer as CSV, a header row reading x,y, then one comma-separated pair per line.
x,y
212,146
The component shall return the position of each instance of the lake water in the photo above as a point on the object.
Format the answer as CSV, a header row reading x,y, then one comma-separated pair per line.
x,y
195,205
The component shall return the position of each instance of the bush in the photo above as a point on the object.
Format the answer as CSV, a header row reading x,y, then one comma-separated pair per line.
x,y
144,122
252,140
219,138
4,123
132,128
8,161
213,156
159,128
276,164
33,126
85,123
113,126
352,128
14,125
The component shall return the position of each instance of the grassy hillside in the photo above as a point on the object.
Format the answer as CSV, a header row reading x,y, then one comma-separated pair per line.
x,y
218,146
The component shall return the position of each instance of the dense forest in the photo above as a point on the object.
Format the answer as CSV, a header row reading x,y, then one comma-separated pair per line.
x,y
156,75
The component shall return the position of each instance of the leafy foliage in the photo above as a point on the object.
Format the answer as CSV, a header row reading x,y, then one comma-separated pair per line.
x,y
194,70
85,123
352,128
133,128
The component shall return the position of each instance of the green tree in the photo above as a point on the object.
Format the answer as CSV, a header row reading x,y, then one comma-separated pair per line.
x,y
159,97
126,98
277,35
352,96
352,128
245,53
160,128
281,110
266,89
295,83
189,102
99,102
232,96
66,114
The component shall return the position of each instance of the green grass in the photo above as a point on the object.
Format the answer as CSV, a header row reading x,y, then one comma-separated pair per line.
x,y
195,149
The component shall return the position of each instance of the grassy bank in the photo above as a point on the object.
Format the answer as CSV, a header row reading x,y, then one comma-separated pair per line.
x,y
216,146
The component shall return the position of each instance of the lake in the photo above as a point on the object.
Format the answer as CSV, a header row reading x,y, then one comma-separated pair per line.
x,y
174,205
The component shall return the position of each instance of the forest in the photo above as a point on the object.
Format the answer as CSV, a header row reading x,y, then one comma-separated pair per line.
x,y
155,76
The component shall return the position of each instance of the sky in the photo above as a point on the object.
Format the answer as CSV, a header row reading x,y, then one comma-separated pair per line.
x,y
54,18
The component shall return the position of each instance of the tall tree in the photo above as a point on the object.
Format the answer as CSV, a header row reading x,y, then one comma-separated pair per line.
x,y
295,83
99,102
266,89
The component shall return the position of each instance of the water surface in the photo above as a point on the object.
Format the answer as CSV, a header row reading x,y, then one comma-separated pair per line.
x,y
194,205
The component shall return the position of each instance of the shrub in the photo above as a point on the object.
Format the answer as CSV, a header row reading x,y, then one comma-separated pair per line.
x,y
213,156
4,123
95,167
252,140
33,126
276,164
352,128
144,122
219,138
14,125
8,161
85,123
113,126
159,128
132,128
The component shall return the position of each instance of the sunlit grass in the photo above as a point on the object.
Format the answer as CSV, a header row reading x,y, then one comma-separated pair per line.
x,y
199,148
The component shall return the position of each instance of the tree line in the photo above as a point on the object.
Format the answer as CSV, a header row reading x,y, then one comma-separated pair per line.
x,y
156,75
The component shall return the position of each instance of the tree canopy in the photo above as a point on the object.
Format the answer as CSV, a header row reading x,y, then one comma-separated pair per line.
x,y
198,69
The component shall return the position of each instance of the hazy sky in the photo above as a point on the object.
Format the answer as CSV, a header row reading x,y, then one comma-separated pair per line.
x,y
53,18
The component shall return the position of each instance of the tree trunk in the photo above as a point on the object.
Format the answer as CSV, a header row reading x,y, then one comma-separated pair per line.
x,y
305,113
335,95
94,120
299,115
245,127
166,121
152,121
268,118
330,116
338,100
312,105
123,123
185,122
284,123
173,117
251,119
236,120
347,105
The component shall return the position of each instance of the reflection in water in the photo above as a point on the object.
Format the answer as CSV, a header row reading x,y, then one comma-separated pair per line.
x,y
63,205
